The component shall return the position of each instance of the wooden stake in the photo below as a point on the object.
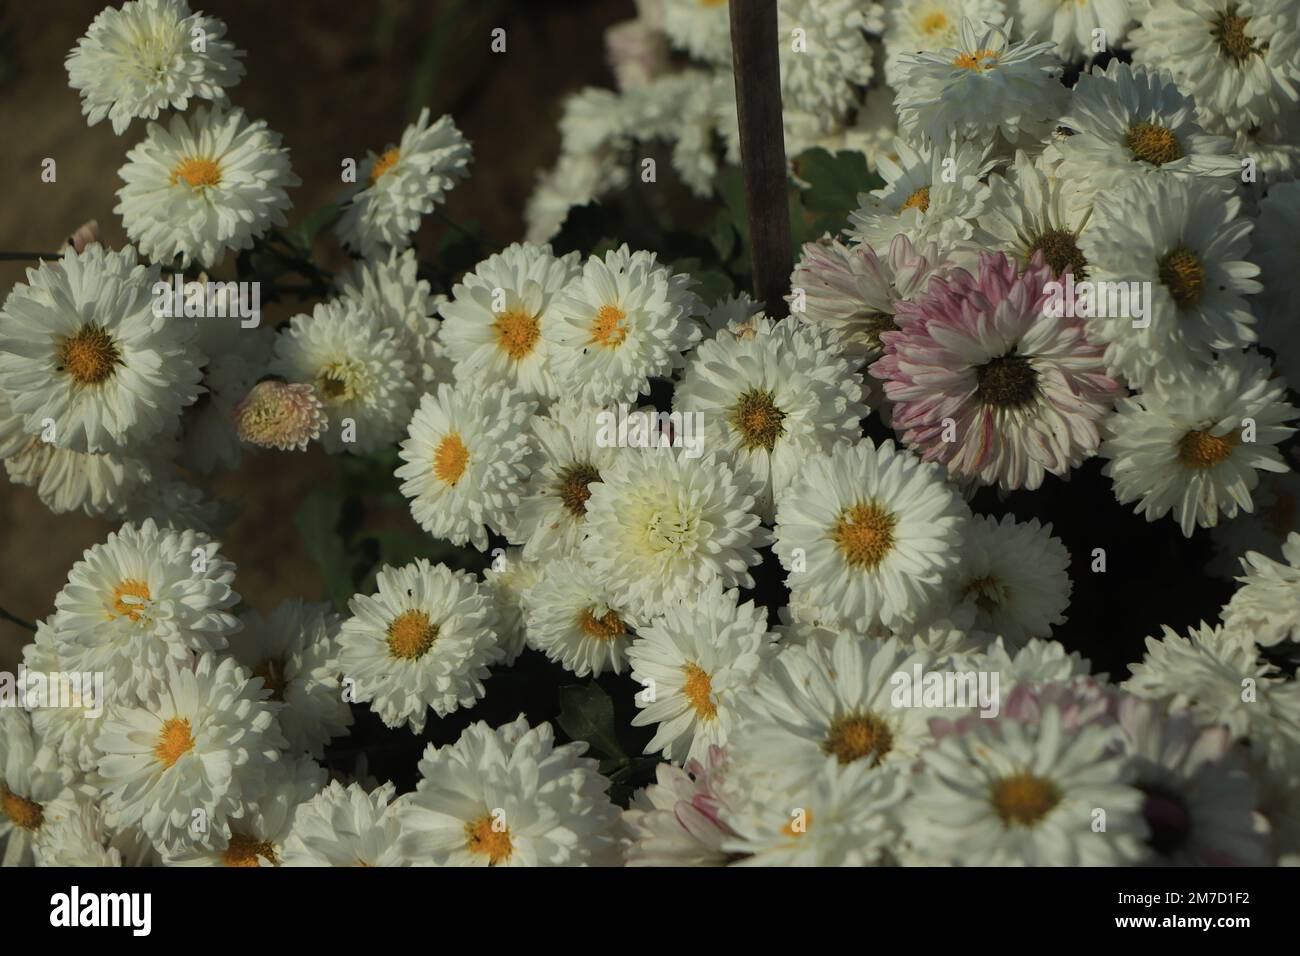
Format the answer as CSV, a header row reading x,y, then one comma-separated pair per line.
x,y
754,44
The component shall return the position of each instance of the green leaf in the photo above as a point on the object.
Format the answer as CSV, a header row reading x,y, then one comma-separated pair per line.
x,y
304,235
317,520
835,181
587,713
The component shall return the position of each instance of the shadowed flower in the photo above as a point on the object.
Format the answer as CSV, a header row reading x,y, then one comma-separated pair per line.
x,y
280,415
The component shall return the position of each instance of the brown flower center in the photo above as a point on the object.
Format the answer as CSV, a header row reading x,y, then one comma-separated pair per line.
x,y
859,736
572,487
271,671
1153,144
1229,30
90,356
1061,251
1008,381
244,850
757,419
1183,274
1024,799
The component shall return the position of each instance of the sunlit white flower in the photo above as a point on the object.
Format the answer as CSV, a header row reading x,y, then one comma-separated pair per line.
x,y
211,181
1072,26
73,834
85,361
508,579
394,189
204,742
422,641
1184,450
494,324
146,56
1267,605
465,461
347,826
32,775
510,797
675,820
694,663
573,619
930,26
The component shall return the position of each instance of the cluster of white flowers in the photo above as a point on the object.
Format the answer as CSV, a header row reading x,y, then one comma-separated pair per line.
x,y
906,703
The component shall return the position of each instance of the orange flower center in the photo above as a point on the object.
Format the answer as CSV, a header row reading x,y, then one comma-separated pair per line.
x,y
450,459
174,742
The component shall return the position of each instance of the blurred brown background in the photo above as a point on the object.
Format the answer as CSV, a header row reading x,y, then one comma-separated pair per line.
x,y
335,78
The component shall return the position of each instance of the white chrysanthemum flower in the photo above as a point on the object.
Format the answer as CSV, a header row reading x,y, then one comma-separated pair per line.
x,y
1007,792
144,597
466,460
675,820
1131,122
625,320
573,618
701,28
73,834
142,58
494,324
732,313
1199,798
84,360
294,649
769,399
394,189
1014,577
256,834
358,370
65,713
872,534
211,181
1240,59
32,775
662,526
1030,209
1196,451
695,662
1187,246
1267,605
852,292
508,579
1274,146
829,57
347,826
683,108
235,358
840,816
981,86
832,702
930,196
1273,249
594,118
67,480
510,797
552,512
423,640
1206,673
930,26
1071,26
175,504
202,743
392,291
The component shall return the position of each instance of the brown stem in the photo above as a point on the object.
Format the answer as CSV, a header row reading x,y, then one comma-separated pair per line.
x,y
754,45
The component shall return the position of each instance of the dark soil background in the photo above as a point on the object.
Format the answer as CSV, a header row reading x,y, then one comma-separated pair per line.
x,y
336,78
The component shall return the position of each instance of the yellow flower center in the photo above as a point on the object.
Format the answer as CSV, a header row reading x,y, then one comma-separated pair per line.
x,y
757,419
89,356
1183,274
865,534
698,689
1200,449
919,200
23,813
932,23
130,598
450,458
857,736
607,329
484,839
517,333
174,741
384,163
1024,799
271,671
572,487
245,850
977,62
797,826
410,635
1153,144
1230,32
199,172
608,627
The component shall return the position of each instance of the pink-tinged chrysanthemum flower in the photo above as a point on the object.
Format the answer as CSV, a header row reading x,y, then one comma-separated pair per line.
x,y
280,415
986,383
676,821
